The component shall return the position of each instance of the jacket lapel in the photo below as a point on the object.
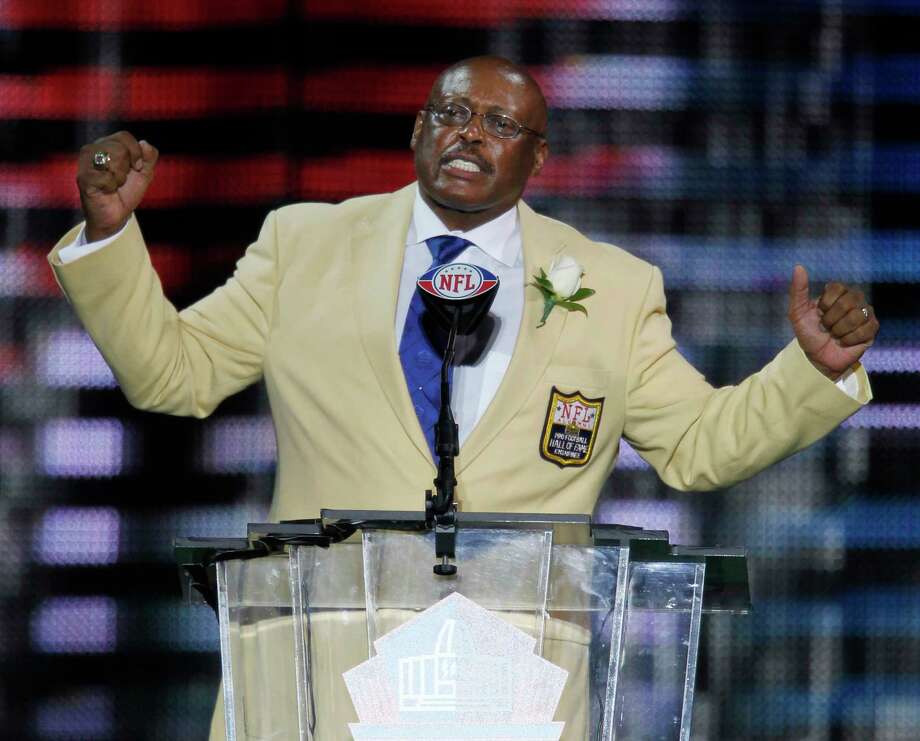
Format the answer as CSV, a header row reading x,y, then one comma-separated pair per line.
x,y
378,246
533,348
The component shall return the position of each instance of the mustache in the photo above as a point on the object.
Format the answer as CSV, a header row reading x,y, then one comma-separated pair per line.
x,y
465,152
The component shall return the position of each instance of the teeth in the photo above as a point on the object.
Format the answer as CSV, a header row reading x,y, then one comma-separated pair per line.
x,y
464,165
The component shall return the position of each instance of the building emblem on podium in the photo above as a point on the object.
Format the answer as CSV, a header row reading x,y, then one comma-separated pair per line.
x,y
456,671
430,682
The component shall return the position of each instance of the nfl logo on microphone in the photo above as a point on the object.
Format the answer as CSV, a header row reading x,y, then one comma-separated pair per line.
x,y
457,281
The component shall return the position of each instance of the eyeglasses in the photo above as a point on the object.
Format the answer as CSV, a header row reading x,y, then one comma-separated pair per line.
x,y
496,124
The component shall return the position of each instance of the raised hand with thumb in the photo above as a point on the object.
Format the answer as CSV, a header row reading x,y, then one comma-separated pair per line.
x,y
836,329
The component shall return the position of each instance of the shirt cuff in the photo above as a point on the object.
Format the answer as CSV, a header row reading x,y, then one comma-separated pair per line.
x,y
849,382
81,248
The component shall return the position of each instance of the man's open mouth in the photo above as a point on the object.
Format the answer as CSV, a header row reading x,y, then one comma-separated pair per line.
x,y
465,163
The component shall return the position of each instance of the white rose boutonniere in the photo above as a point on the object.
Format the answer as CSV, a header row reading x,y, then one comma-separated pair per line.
x,y
562,287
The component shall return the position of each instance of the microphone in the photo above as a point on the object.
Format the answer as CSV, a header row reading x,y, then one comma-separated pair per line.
x,y
466,291
458,296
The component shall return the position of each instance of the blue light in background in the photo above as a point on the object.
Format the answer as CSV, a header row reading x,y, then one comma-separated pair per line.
x,y
75,625
68,358
77,535
81,447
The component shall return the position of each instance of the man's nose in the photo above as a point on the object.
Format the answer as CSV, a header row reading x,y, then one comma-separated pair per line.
x,y
472,129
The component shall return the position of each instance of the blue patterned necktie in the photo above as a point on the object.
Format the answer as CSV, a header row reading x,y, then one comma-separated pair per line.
x,y
421,362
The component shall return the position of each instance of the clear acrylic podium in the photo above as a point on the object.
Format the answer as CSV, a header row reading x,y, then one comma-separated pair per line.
x,y
553,627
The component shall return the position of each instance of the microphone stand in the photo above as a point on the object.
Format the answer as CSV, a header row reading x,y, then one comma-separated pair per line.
x,y
440,509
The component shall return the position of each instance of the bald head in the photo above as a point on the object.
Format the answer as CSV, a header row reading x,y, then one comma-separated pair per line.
x,y
514,74
469,171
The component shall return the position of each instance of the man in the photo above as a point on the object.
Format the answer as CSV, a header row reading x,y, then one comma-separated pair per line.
x,y
317,307
321,306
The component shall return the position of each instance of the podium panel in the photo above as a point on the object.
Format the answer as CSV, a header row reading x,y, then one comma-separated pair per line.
x,y
661,637
255,613
544,633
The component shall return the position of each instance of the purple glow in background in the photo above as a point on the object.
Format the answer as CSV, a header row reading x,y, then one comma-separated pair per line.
x,y
75,625
620,81
892,360
68,359
634,10
85,714
15,452
239,445
81,447
78,535
19,274
629,459
678,519
877,416
216,521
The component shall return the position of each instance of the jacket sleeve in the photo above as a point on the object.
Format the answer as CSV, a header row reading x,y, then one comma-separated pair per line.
x,y
184,362
699,437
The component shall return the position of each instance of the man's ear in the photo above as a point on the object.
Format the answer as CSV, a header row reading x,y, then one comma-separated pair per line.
x,y
417,129
540,154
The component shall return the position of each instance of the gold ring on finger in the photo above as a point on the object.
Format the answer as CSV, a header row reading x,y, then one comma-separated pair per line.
x,y
865,311
101,160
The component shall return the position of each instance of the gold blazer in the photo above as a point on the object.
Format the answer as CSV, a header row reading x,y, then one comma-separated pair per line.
x,y
311,306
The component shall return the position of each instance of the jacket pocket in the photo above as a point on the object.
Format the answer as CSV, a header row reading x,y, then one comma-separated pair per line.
x,y
571,378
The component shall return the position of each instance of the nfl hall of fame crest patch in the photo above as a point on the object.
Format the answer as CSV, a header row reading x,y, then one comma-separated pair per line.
x,y
570,429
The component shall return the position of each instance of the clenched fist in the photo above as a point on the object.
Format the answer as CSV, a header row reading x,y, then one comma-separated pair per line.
x,y
833,331
110,192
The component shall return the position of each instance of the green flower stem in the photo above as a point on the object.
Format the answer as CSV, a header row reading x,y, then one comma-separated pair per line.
x,y
551,299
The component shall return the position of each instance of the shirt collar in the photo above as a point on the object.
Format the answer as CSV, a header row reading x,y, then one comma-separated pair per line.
x,y
499,238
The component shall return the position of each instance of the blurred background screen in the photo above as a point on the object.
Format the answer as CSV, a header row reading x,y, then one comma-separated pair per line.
x,y
724,140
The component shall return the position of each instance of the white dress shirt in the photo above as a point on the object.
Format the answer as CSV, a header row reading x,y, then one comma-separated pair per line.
x,y
498,248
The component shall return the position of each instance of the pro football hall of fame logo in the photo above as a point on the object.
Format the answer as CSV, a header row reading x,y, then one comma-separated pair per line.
x,y
570,429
